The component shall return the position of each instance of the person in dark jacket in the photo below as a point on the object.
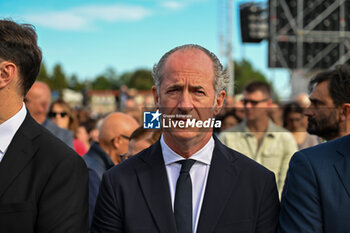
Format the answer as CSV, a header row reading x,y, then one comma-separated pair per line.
x,y
43,182
114,138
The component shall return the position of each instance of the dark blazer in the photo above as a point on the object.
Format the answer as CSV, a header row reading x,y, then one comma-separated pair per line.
x,y
240,196
97,162
316,196
43,184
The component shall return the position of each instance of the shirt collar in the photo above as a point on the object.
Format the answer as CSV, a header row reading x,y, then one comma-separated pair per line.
x,y
271,128
204,155
9,128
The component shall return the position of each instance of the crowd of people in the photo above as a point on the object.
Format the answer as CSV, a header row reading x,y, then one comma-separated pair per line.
x,y
269,168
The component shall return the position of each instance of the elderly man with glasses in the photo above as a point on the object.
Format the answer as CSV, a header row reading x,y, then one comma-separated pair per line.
x,y
258,137
114,138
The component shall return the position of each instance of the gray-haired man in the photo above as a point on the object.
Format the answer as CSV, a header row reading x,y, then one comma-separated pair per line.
x,y
187,181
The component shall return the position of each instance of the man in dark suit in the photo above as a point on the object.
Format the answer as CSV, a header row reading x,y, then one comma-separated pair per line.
x,y
114,137
316,194
187,181
43,182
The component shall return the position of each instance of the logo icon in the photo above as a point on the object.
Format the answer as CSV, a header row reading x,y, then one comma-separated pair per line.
x,y
151,120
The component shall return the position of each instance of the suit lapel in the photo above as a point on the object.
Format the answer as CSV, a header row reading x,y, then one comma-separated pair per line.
x,y
18,154
221,181
342,165
155,187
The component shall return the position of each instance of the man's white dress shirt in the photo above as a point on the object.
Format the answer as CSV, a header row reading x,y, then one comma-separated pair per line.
x,y
9,128
199,174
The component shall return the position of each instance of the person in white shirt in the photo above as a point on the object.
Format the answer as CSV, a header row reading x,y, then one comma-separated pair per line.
x,y
43,182
187,181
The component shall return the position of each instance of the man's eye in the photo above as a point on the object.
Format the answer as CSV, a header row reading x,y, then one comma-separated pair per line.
x,y
172,91
199,92
315,103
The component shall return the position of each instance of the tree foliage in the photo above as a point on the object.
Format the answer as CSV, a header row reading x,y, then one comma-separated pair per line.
x,y
246,73
43,76
101,83
58,79
140,79
75,84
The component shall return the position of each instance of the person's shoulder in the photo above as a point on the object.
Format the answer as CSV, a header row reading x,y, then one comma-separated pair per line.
x,y
131,163
63,134
50,141
325,150
282,134
274,128
244,162
48,147
229,136
128,167
91,158
321,156
338,141
56,130
240,127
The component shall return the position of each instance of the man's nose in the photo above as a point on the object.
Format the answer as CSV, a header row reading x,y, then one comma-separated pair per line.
x,y
308,111
247,105
185,102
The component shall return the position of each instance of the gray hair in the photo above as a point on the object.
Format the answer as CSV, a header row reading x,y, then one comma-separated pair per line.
x,y
220,81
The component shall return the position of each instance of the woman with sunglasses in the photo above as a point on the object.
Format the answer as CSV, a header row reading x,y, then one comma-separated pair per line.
x,y
62,115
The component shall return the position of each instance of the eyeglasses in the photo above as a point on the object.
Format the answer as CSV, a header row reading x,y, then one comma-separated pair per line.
x,y
125,156
55,114
126,137
253,102
121,135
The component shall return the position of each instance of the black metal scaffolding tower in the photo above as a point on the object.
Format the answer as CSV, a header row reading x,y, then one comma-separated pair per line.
x,y
308,34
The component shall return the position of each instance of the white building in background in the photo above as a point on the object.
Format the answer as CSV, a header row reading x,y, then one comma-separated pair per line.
x,y
102,102
74,98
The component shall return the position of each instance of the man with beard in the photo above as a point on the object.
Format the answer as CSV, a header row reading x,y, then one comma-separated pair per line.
x,y
317,188
326,117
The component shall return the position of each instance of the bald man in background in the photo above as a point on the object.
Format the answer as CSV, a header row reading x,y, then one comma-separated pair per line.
x,y
38,101
114,137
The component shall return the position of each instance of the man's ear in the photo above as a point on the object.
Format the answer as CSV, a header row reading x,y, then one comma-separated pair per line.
x,y
7,73
115,142
219,102
345,112
155,96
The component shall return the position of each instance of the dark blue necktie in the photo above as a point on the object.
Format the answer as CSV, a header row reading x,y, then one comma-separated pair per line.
x,y
183,198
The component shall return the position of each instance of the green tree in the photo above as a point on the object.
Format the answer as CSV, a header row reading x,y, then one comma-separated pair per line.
x,y
141,79
75,84
101,83
125,78
108,80
43,76
113,78
58,79
246,73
